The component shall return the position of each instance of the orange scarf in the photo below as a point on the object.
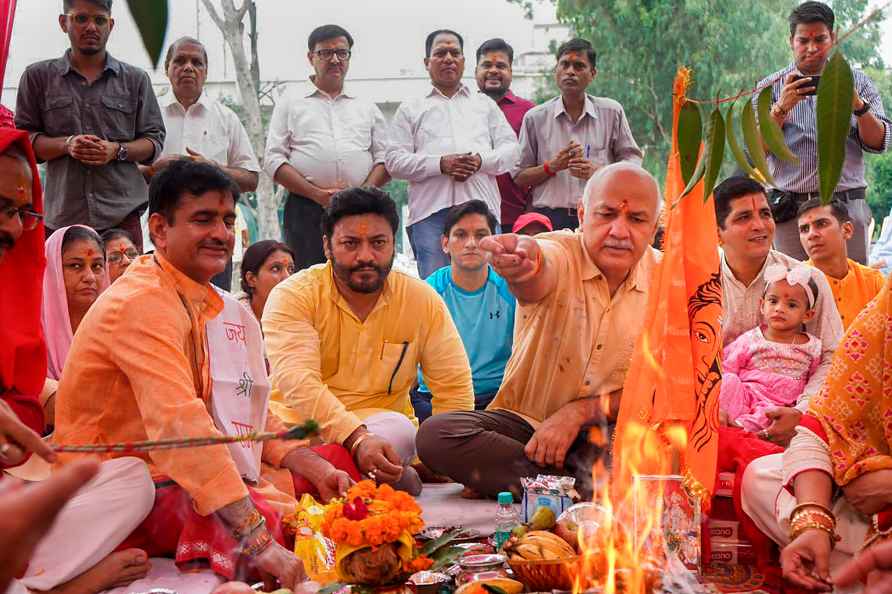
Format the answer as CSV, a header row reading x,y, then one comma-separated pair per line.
x,y
854,407
670,396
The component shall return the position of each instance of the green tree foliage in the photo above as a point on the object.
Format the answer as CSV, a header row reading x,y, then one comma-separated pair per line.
x,y
879,167
728,45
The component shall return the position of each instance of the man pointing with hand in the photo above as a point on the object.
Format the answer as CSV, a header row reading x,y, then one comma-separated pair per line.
x,y
581,298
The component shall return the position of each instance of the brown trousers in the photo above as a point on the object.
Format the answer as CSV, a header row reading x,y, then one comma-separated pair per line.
x,y
483,450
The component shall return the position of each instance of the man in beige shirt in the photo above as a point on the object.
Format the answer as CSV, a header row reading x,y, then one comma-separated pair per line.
x,y
746,230
581,299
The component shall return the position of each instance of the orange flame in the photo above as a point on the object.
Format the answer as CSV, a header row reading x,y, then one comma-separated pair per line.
x,y
622,552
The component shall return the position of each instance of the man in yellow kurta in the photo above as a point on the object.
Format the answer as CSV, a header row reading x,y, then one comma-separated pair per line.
x,y
581,303
824,231
345,339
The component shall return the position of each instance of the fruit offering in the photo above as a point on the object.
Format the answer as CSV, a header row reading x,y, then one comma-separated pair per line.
x,y
539,545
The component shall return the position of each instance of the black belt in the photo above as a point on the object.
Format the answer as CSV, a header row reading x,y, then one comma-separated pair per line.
x,y
855,194
568,210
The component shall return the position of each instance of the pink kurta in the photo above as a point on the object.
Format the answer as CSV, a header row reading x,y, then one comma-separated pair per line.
x,y
758,375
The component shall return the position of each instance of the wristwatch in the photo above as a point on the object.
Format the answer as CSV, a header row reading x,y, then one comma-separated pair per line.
x,y
864,109
122,152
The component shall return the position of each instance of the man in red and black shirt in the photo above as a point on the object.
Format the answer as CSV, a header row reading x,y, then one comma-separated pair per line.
x,y
494,60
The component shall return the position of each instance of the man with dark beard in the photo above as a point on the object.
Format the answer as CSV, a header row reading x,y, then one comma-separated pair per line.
x,y
345,339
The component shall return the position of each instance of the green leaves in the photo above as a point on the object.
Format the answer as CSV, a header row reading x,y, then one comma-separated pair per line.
x,y
714,152
444,539
151,20
834,116
690,135
738,153
710,162
753,141
771,132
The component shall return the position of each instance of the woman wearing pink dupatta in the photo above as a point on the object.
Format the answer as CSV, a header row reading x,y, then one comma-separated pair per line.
x,y
75,276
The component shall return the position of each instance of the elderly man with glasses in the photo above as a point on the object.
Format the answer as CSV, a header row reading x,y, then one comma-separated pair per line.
x,y
92,118
323,141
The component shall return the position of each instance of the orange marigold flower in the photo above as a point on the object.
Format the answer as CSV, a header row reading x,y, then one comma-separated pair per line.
x,y
363,489
420,563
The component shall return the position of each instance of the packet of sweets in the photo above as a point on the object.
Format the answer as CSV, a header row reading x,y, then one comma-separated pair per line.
x,y
315,551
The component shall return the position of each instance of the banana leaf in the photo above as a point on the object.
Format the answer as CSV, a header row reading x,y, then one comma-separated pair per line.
x,y
771,132
690,135
834,116
151,21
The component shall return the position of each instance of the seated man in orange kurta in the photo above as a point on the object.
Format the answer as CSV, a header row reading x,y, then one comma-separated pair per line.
x,y
165,355
824,230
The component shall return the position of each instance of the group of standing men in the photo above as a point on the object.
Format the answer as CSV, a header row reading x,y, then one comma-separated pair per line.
x,y
339,345
96,122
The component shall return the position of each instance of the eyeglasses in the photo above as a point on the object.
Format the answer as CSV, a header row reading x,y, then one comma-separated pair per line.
x,y
117,256
29,218
82,19
326,54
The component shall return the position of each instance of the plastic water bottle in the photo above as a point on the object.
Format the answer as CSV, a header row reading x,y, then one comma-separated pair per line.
x,y
506,518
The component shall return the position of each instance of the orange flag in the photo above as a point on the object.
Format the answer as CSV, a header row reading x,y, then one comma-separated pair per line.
x,y
668,419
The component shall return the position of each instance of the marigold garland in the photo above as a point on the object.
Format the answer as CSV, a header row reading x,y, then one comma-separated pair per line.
x,y
390,513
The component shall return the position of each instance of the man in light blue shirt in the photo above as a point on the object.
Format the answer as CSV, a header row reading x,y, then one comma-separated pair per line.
x,y
481,305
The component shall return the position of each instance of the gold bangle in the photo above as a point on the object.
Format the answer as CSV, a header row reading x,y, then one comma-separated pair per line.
x,y
813,504
250,524
355,445
258,546
811,514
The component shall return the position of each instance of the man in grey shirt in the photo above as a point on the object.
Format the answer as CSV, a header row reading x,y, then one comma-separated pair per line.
x,y
92,119
565,140
793,108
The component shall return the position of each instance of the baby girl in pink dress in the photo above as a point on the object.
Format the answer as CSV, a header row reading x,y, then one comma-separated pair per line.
x,y
770,365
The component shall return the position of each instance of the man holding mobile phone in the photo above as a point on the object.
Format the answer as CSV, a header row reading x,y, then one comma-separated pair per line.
x,y
794,105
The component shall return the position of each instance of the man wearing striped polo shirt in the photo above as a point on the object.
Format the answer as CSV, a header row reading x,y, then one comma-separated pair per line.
x,y
793,108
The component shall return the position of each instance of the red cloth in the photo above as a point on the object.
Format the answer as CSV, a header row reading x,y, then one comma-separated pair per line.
x,y
22,349
514,199
737,448
7,15
340,459
174,529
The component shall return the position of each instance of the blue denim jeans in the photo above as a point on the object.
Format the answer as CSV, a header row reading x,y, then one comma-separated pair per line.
x,y
425,238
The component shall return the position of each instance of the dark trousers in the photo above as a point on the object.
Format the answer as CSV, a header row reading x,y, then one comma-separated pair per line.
x,y
303,231
483,450
561,218
423,405
130,224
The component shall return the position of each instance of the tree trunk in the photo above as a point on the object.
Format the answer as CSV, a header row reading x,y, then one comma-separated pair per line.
x,y
232,26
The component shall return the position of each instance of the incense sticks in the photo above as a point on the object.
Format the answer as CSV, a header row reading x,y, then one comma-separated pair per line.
x,y
298,432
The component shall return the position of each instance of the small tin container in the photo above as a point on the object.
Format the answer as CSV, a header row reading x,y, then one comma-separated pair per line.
x,y
429,582
481,567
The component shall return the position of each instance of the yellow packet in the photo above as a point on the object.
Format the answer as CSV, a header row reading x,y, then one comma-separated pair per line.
x,y
315,551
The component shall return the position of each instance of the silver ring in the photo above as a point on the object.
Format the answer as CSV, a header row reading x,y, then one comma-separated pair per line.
x,y
763,435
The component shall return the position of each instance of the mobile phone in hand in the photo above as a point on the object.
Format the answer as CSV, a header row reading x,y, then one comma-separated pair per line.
x,y
813,83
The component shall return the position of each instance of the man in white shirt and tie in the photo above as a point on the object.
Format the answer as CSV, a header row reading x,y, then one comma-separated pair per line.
x,y
450,145
202,128
322,142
